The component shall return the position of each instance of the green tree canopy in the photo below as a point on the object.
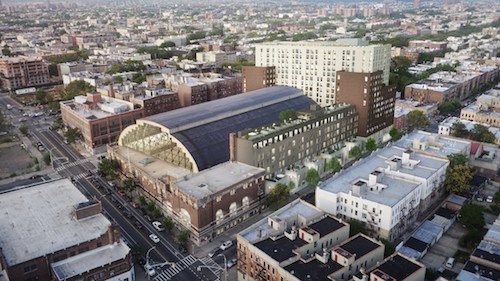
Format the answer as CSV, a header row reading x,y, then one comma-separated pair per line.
x,y
395,133
41,97
355,152
457,159
482,134
417,119
72,134
156,52
109,168
288,114
457,178
46,158
312,177
129,184
448,107
127,66
333,165
278,196
182,237
459,130
167,44
77,88
472,216
371,144
356,226
24,129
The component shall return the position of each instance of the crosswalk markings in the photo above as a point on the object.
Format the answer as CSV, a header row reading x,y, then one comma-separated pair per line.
x,y
72,164
173,270
210,262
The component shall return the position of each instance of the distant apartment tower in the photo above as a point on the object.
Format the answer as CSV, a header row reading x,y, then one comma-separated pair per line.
x,y
258,77
22,71
312,66
374,101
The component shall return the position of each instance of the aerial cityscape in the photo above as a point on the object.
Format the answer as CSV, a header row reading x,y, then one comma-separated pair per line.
x,y
314,140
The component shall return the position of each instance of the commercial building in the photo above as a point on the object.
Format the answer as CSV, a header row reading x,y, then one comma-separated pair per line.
x,y
255,77
312,66
51,231
396,267
386,190
197,137
373,100
300,242
216,199
277,146
20,72
100,119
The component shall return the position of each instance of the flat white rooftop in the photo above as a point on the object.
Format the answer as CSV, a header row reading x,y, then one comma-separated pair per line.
x,y
217,178
89,260
38,220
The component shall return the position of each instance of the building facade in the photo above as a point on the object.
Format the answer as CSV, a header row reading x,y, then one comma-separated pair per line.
x,y
255,77
100,119
300,242
387,190
373,100
21,72
58,236
279,145
312,66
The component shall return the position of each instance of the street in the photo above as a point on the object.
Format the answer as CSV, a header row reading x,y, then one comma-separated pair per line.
x,y
67,162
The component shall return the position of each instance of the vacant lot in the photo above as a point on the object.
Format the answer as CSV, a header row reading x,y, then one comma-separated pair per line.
x,y
14,159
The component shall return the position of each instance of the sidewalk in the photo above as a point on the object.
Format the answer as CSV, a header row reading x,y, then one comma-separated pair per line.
x,y
230,234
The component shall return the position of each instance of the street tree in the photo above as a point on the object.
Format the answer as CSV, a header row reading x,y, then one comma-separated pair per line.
x,y
76,88
355,152
417,119
24,129
457,159
278,197
472,216
457,178
182,237
448,107
356,227
41,97
168,224
312,177
333,165
395,133
459,130
371,144
109,168
46,158
72,134
167,44
129,184
482,134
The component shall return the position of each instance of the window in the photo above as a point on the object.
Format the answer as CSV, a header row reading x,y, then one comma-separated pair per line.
x,y
30,268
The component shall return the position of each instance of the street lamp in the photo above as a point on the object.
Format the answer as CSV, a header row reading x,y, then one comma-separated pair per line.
x,y
215,268
225,265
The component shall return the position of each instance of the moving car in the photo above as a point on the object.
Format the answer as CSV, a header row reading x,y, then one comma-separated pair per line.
x,y
150,271
214,252
154,238
226,245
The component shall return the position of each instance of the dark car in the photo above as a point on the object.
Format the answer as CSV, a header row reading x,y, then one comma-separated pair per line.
x,y
128,214
182,249
138,224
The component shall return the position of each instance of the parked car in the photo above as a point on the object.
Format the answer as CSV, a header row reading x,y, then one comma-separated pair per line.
x,y
226,245
154,238
489,199
158,226
480,198
127,214
122,193
138,224
148,218
232,262
214,252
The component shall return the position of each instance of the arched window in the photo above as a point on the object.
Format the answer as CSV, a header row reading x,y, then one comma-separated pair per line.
x,y
185,216
219,216
233,208
245,202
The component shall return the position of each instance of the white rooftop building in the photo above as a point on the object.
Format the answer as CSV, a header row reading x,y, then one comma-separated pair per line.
x,y
387,190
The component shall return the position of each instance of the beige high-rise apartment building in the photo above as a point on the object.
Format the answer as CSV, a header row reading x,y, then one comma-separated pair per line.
x,y
312,66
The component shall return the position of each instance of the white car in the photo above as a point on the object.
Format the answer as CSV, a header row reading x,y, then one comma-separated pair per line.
x,y
150,271
226,245
232,262
154,238
158,226
489,199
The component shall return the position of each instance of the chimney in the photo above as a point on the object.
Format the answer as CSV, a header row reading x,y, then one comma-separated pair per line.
x,y
232,147
406,157
259,232
111,91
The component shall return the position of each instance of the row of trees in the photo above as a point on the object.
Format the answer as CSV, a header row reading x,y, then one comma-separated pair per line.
x,y
478,132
